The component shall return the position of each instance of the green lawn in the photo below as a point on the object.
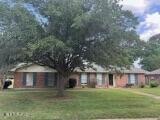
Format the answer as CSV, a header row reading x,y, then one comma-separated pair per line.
x,y
154,91
79,105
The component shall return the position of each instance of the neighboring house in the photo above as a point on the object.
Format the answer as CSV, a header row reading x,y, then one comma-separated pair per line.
x,y
153,76
36,76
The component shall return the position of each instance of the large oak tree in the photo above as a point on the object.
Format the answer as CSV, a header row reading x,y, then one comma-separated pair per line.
x,y
76,34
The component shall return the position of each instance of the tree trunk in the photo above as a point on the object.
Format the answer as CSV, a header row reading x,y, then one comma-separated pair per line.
x,y
61,85
1,84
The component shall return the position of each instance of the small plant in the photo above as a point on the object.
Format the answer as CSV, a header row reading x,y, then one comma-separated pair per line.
x,y
142,85
153,84
129,85
84,86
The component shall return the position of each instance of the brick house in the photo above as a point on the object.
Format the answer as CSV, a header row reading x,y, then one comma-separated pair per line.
x,y
153,76
36,76
134,76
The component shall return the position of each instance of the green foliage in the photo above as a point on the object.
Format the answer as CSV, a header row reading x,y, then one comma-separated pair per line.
x,y
19,28
151,54
153,84
142,85
77,32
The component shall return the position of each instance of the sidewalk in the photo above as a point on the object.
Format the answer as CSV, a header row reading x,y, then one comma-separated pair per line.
x,y
142,93
134,119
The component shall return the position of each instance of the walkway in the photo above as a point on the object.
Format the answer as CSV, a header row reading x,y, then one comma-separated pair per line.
x,y
133,119
142,93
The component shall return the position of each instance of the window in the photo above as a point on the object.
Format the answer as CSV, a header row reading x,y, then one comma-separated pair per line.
x,y
51,79
132,78
83,78
99,79
29,79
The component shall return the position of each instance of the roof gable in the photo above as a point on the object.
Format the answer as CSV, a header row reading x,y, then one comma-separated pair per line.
x,y
33,68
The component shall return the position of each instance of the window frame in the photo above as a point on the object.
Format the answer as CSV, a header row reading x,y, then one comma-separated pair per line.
x,y
82,79
29,79
99,78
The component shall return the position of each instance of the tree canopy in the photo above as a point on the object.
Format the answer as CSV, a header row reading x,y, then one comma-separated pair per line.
x,y
77,33
151,54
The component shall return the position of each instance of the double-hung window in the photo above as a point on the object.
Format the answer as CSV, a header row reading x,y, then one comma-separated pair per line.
x,y
132,79
83,78
99,79
29,79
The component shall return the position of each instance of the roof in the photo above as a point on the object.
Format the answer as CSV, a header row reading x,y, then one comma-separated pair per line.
x,y
95,69
155,72
30,67
136,71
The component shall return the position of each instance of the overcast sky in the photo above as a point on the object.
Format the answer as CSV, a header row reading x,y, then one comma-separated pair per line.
x,y
148,12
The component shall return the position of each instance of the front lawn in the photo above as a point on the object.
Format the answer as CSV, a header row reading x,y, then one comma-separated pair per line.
x,y
79,105
154,91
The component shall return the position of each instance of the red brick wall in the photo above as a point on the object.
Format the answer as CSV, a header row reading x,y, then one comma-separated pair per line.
x,y
77,77
18,80
141,79
92,77
121,80
40,83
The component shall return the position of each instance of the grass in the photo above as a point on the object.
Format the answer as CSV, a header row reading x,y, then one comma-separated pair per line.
x,y
79,105
154,91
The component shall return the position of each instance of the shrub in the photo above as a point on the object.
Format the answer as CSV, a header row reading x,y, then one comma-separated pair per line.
x,y
129,85
153,84
72,83
142,85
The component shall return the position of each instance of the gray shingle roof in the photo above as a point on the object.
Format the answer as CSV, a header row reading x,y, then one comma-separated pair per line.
x,y
155,72
136,71
95,69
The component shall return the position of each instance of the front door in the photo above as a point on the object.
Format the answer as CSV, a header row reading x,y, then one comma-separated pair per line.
x,y
111,80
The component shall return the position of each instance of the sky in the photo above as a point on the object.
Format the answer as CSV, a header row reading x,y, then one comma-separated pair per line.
x,y
148,13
